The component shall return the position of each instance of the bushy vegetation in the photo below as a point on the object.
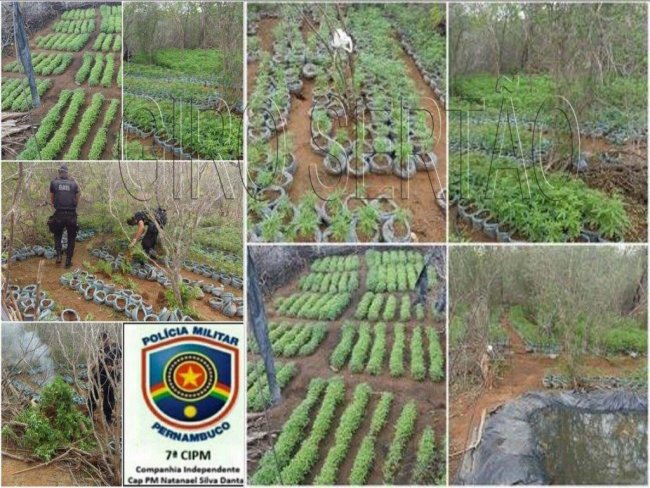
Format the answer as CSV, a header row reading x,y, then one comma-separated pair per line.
x,y
53,424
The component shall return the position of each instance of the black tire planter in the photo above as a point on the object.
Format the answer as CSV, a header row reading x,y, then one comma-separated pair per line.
x,y
441,198
309,71
388,232
273,202
426,162
320,143
384,215
335,166
404,171
381,164
478,219
358,171
350,238
70,315
286,182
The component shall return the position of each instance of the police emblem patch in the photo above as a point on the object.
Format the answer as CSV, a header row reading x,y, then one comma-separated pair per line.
x,y
190,382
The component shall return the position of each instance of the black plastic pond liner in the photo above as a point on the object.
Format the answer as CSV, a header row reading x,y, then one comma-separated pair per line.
x,y
520,441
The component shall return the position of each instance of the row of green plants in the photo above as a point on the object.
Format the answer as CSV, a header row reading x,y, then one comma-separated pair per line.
x,y
365,458
63,42
289,340
86,123
404,430
394,277
348,425
111,18
299,445
365,348
333,282
314,306
108,42
44,64
336,263
16,95
78,14
377,306
416,23
101,73
52,134
304,460
554,207
101,137
75,26
139,82
259,394
375,258
293,432
206,133
533,335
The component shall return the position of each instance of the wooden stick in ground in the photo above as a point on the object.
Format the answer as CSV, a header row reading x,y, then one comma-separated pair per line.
x,y
17,458
478,440
39,279
42,464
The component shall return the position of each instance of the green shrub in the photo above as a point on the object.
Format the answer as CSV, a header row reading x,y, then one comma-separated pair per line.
x,y
378,350
424,470
344,348
405,309
53,424
418,369
404,429
348,425
361,349
396,360
293,432
365,458
390,308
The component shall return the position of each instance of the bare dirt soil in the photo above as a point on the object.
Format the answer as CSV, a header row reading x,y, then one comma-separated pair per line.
x,y
524,373
24,273
417,195
430,398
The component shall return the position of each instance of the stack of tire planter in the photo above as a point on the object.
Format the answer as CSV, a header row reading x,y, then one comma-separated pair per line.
x,y
121,300
34,308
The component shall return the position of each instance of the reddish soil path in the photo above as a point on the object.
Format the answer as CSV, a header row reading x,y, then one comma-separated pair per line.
x,y
430,398
24,273
43,476
417,195
524,372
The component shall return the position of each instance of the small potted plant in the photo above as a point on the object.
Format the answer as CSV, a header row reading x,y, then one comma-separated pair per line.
x,y
381,162
398,227
341,228
404,165
334,205
368,224
357,164
306,224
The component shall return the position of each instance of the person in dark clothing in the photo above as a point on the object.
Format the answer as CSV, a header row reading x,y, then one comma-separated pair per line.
x,y
143,219
64,196
105,377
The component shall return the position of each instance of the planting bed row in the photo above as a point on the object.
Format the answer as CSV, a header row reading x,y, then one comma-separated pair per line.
x,y
313,306
387,307
44,64
258,387
98,69
301,443
16,95
365,346
108,42
54,131
63,42
289,340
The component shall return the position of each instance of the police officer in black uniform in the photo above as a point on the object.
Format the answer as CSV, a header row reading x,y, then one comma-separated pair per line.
x,y
142,219
64,196
105,376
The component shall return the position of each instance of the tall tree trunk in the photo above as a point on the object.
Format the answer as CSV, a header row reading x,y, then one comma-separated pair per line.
x,y
257,321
